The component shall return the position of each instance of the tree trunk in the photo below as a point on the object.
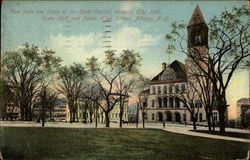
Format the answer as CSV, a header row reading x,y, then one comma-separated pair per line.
x,y
194,121
222,121
90,117
85,115
208,116
121,112
22,113
107,118
222,110
143,119
96,117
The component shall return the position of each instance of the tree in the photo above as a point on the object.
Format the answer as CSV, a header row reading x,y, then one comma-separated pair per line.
x,y
93,99
142,92
228,51
190,97
72,85
25,70
107,76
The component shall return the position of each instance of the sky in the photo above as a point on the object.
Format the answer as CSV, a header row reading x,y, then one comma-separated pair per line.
x,y
75,30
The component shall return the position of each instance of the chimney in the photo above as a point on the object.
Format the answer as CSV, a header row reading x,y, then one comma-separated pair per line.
x,y
164,66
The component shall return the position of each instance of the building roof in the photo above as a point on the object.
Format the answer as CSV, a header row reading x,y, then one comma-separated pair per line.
x,y
244,100
197,17
177,68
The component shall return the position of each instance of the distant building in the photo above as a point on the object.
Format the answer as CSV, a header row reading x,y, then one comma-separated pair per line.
x,y
88,114
132,113
58,113
243,105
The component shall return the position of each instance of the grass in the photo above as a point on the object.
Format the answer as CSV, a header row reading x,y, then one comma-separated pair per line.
x,y
229,134
113,144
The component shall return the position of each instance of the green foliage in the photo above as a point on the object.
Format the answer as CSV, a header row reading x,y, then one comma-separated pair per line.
x,y
25,70
75,72
92,65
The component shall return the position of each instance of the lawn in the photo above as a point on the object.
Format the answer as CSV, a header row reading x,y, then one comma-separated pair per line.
x,y
113,144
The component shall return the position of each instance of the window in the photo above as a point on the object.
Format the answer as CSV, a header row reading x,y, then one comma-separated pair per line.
x,y
165,102
171,102
160,102
153,103
159,89
199,38
153,89
165,89
169,77
177,102
170,89
200,117
153,117
145,116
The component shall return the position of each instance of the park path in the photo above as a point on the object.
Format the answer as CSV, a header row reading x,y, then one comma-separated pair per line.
x,y
175,128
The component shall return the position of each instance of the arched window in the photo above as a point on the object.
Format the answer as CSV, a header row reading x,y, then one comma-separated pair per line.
x,y
177,117
153,117
169,116
199,38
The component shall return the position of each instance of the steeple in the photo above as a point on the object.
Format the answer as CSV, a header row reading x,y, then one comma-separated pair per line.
x,y
197,30
197,17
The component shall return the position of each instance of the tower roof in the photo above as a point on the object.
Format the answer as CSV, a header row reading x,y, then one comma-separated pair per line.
x,y
197,17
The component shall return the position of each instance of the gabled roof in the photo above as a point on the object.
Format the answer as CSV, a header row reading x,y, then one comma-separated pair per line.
x,y
244,100
197,17
177,67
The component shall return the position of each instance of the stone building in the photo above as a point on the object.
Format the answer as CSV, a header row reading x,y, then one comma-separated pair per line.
x,y
161,102
88,115
243,105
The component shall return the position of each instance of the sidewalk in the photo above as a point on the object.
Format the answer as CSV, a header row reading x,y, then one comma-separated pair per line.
x,y
175,128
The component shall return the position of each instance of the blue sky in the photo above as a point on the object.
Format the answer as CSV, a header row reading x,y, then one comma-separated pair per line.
x,y
75,41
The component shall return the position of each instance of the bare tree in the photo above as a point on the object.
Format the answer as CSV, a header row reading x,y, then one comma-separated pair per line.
x,y
141,90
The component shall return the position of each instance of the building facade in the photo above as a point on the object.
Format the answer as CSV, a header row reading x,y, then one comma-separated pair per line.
x,y
89,115
243,106
161,100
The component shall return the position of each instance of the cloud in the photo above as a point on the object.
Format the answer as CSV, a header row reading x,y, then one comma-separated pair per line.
x,y
133,38
77,48
128,5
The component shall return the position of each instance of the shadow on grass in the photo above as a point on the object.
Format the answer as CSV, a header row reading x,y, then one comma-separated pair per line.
x,y
229,134
9,153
